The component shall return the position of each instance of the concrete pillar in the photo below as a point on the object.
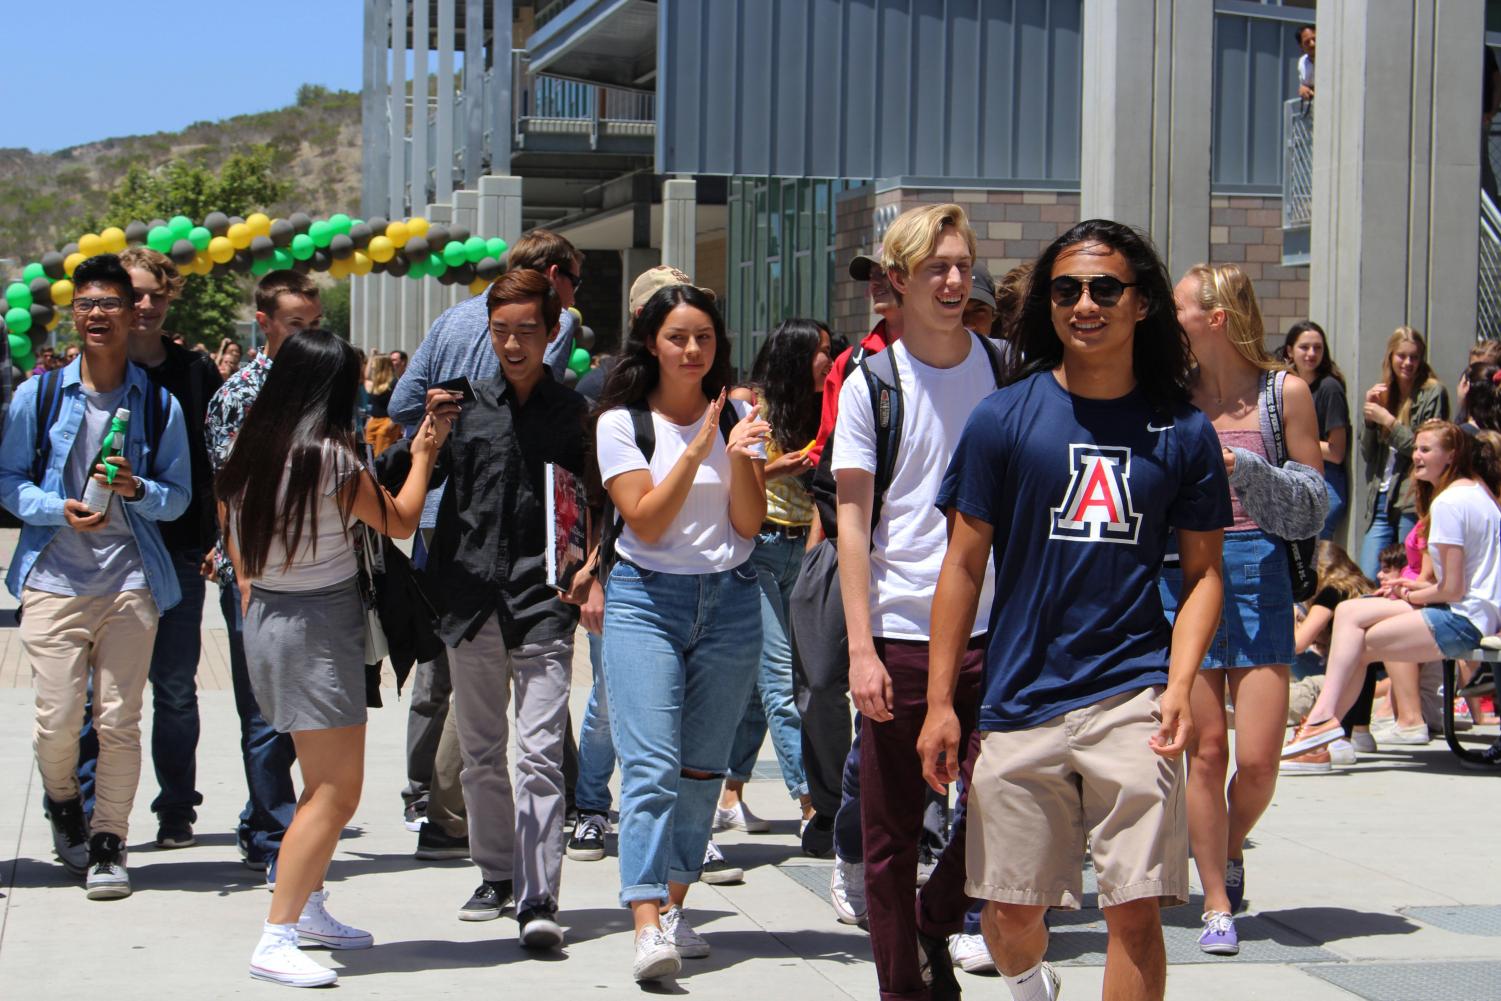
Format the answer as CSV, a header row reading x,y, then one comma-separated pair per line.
x,y
500,208
502,125
1146,127
1396,185
473,124
443,145
679,223
396,112
413,324
376,154
389,329
358,311
421,23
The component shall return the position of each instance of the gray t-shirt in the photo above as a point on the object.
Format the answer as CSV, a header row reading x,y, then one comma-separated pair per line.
x,y
90,563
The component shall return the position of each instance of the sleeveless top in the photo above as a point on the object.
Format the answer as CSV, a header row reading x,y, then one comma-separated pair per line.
x,y
1250,440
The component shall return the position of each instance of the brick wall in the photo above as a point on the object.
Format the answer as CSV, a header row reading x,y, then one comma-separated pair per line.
x,y
1247,231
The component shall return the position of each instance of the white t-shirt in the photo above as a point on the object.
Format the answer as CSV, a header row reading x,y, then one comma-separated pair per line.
x,y
326,550
911,536
700,538
1305,71
1466,516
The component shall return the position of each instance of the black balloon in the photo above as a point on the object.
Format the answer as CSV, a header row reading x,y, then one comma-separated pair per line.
x,y
300,222
241,261
69,249
216,223
282,232
398,266
219,269
341,247
302,267
360,233
377,225
570,377
41,290
489,268
261,248
135,231
321,260
463,274
38,334
457,232
52,264
41,313
437,236
416,248
155,223
236,220
586,338
183,252
447,277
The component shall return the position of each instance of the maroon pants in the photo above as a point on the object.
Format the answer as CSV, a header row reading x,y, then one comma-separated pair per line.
x,y
891,812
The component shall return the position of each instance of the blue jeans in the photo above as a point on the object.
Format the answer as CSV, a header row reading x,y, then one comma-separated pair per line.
x,y
1388,527
267,754
174,703
1337,485
777,560
681,652
591,793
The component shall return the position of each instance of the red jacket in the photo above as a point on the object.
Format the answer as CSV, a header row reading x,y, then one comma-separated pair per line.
x,y
876,340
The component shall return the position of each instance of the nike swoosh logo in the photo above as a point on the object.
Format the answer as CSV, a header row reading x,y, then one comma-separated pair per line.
x,y
1167,427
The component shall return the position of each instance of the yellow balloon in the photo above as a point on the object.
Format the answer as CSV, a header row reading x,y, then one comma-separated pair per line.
x,y
397,232
113,240
56,319
239,235
360,263
381,249
339,269
576,314
89,244
73,260
62,292
259,224
477,286
417,226
203,262
220,250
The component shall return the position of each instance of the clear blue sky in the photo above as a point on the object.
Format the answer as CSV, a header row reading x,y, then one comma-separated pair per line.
x,y
92,69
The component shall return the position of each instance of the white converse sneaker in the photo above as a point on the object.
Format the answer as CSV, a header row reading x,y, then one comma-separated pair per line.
x,y
318,927
739,818
277,959
847,891
689,943
656,957
971,954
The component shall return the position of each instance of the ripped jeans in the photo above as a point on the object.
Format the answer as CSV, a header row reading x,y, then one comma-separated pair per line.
x,y
680,653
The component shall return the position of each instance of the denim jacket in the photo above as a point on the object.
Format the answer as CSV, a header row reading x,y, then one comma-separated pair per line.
x,y
166,478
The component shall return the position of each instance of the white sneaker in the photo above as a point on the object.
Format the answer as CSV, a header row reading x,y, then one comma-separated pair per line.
x,y
688,942
847,891
971,954
739,818
318,927
656,957
277,959
1363,742
1405,736
1342,753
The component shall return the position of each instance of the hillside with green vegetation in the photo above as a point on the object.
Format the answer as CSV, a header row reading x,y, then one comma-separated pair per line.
x,y
47,199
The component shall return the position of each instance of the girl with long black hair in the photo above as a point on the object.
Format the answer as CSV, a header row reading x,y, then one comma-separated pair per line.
x,y
682,628
787,383
289,496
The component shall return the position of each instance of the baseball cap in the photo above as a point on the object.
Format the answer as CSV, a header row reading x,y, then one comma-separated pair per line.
x,y
653,280
863,264
984,285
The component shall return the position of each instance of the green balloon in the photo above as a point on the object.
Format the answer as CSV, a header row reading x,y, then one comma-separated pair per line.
x,y
262,266
199,236
32,272
281,260
18,296
181,226
579,361
160,239
455,254
340,223
303,246
418,268
20,345
18,319
496,247
320,232
475,249
25,362
436,265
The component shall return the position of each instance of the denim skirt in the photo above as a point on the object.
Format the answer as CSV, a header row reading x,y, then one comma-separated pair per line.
x,y
1256,622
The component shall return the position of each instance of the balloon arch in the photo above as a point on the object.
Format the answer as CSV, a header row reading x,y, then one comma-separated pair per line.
x,y
223,244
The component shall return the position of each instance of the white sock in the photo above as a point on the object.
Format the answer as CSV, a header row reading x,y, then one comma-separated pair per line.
x,y
1029,986
272,933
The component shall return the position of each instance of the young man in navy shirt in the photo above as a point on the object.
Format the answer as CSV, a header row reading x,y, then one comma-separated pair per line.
x,y
1080,477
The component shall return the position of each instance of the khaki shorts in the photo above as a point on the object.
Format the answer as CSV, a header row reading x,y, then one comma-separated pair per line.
x,y
1038,792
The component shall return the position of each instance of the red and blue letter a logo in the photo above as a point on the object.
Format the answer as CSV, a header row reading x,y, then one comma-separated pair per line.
x,y
1097,506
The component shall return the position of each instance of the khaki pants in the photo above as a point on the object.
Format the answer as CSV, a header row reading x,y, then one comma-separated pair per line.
x,y
68,640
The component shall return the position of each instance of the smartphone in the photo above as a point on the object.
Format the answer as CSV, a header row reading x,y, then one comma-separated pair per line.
x,y
460,386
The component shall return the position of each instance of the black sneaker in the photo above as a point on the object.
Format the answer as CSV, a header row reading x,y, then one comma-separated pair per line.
x,y
70,834
175,834
937,968
436,844
818,836
717,871
107,878
539,929
488,900
588,841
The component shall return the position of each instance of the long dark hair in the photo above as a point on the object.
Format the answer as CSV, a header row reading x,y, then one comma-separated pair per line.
x,y
782,372
1161,357
1483,401
1326,362
636,373
307,403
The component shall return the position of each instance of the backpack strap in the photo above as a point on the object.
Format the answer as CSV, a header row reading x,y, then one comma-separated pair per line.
x,y
1271,414
885,389
49,403
996,354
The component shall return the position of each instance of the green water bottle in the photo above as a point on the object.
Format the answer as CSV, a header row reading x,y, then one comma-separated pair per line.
x,y
96,496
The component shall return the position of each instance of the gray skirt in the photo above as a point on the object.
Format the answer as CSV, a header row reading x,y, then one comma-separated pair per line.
x,y
305,651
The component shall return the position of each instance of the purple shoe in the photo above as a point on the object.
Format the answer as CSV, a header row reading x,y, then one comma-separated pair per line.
x,y
1218,937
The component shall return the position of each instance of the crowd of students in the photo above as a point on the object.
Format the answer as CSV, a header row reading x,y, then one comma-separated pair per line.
x,y
1040,564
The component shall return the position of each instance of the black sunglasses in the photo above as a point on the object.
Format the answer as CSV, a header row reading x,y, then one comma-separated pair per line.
x,y
1104,290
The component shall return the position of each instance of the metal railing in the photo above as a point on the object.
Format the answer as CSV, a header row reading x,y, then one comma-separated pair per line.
x,y
547,104
1488,293
1297,163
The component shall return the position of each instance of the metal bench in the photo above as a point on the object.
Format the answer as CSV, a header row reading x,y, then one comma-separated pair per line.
x,y
1451,691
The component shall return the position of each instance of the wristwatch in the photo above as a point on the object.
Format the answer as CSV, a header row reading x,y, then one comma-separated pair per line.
x,y
140,490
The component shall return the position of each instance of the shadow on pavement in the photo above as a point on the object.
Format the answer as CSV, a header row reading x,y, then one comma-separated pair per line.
x,y
1323,925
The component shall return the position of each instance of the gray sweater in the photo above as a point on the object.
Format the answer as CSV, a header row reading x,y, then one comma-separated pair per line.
x,y
1288,501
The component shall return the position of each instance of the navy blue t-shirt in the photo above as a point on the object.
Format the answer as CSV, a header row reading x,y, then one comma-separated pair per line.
x,y
1081,495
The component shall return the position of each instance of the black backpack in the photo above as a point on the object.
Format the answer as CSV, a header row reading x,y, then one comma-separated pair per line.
x,y
49,403
646,441
879,372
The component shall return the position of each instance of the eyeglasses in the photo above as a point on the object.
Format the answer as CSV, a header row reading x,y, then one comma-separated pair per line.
x,y
108,306
1104,290
573,279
